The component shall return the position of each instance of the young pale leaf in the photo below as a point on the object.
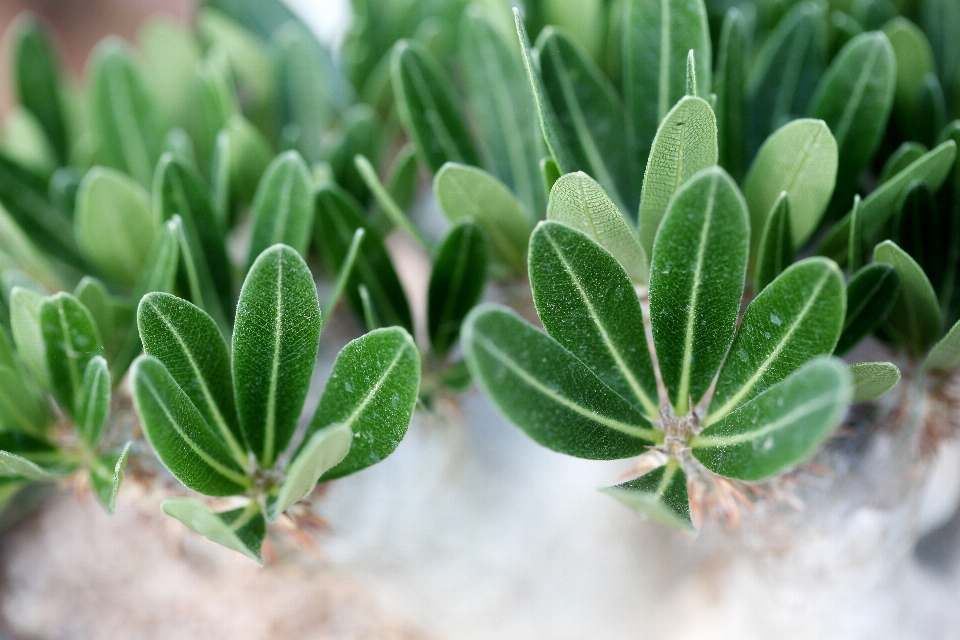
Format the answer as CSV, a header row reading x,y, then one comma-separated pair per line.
x,y
125,115
189,447
191,348
686,143
283,206
93,295
94,404
854,98
872,379
871,294
915,317
467,192
114,226
928,234
905,155
776,251
427,107
170,54
781,427
25,327
274,349
500,98
787,69
588,114
795,319
71,341
372,390
589,306
801,159
548,392
660,496
38,80
106,476
456,283
22,407
242,529
696,282
325,449
578,201
945,355
14,466
730,85
337,220
932,169
657,36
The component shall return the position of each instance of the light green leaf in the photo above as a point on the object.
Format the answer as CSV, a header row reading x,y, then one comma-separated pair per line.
x,y
427,107
14,466
20,250
872,379
240,158
283,206
160,270
94,403
107,474
686,143
696,282
781,427
113,223
588,305
170,57
776,251
945,355
274,349
93,295
24,141
190,346
322,452
915,317
241,529
467,192
795,319
549,393
801,159
871,294
660,496
914,62
854,98
657,35
456,283
213,101
730,85
183,441
22,407
372,390
71,341
578,201
25,327
38,79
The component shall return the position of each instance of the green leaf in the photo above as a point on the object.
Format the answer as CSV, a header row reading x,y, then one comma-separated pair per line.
x,y
588,115
786,70
781,427
114,225
550,173
854,98
186,445
794,320
274,349
125,117
361,136
940,20
372,390
871,294
71,342
877,208
241,529
240,158
696,283
657,36
467,192
945,355
730,85
213,100
428,109
456,283
776,251
930,115
914,62
25,327
190,346
548,392
686,143
401,180
915,317
325,449
160,269
578,201
337,219
25,142
14,466
38,80
588,305
388,206
107,474
500,99
872,379
856,248
283,206
170,54
929,235
22,407
660,496
93,295
801,159
94,403
905,155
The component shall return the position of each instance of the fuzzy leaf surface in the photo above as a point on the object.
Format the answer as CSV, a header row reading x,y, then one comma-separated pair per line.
x,y
323,451
456,283
107,474
94,403
660,496
872,379
241,529
283,207
871,294
70,341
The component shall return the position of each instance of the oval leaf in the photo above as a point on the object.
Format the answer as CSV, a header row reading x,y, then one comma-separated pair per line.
x,y
27,336
872,379
871,294
915,317
242,529
323,451
70,341
283,206
456,283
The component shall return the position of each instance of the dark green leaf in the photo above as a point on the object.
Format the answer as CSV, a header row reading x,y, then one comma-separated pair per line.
x,y
94,403
914,62
660,496
283,206
940,20
915,317
730,86
871,294
929,235
856,248
776,250
872,379
456,283
323,451
905,155
38,80
931,114
401,181
106,476
241,529
71,341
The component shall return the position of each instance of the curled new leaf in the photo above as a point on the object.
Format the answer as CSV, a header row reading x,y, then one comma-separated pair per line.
x,y
241,529
323,451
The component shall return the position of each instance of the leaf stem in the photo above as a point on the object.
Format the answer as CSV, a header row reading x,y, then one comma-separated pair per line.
x,y
386,201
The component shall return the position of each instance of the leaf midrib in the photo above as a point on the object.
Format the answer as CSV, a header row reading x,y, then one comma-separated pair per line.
x,y
270,426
